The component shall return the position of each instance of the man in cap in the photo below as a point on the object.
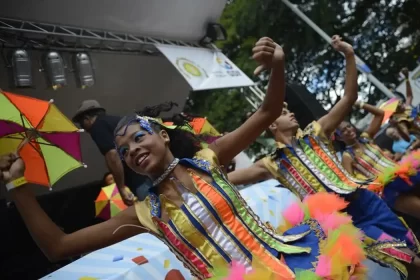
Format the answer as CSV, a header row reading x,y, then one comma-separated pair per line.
x,y
92,117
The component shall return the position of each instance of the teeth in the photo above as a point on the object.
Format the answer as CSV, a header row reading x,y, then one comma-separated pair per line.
x,y
141,159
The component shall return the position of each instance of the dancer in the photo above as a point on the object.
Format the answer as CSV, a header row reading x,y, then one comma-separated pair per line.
x,y
406,117
195,210
397,182
305,163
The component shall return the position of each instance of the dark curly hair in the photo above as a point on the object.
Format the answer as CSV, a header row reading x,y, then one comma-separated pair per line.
x,y
183,144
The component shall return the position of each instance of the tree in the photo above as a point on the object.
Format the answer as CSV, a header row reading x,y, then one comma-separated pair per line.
x,y
384,34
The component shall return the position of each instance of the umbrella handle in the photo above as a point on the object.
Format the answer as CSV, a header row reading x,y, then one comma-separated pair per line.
x,y
23,143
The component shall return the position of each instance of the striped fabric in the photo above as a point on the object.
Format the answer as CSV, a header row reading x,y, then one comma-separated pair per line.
x,y
309,165
264,198
370,161
215,225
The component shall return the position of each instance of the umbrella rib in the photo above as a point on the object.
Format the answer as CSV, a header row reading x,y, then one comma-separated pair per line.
x,y
47,144
22,120
12,137
43,117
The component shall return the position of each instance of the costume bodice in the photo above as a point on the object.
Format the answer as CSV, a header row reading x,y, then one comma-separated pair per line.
x,y
370,160
309,165
214,225
411,116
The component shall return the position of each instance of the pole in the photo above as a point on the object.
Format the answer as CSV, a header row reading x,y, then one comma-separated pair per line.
x,y
362,67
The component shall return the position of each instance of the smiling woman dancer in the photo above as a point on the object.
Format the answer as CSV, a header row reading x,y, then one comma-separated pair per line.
x,y
406,118
196,211
305,163
397,182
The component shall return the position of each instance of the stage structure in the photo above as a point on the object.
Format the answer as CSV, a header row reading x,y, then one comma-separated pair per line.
x,y
137,49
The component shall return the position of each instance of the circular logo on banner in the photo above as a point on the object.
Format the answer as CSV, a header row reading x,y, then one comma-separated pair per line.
x,y
189,68
223,63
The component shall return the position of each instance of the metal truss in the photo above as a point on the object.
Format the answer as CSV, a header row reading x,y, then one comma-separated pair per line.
x,y
19,33
254,95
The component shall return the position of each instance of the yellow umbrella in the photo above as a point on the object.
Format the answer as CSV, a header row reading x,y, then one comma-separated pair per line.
x,y
389,108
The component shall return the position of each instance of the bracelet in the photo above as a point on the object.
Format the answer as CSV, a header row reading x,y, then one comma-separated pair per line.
x,y
361,104
16,183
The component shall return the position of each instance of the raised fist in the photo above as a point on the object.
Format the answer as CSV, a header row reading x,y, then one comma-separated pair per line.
x,y
341,46
267,53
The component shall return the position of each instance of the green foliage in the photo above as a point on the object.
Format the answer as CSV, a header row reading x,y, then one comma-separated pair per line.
x,y
376,29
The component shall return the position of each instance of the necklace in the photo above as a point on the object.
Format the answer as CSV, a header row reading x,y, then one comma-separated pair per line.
x,y
166,173
351,146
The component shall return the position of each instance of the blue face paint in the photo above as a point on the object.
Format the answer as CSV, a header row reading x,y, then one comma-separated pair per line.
x,y
145,124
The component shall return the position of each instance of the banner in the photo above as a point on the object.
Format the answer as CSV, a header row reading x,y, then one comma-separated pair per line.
x,y
204,68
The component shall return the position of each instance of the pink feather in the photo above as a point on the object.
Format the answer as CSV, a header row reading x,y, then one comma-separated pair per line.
x,y
323,269
415,163
237,271
332,221
294,214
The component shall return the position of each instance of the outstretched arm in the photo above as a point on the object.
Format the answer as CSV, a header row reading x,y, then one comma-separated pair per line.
x,y
253,174
270,56
49,237
409,91
402,127
343,108
378,117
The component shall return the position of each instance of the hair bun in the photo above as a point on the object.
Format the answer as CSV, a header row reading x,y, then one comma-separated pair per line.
x,y
155,111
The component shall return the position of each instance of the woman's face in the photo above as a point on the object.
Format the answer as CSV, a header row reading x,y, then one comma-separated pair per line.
x,y
347,132
143,152
400,107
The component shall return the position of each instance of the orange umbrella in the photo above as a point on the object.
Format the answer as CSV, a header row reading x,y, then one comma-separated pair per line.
x,y
203,126
200,126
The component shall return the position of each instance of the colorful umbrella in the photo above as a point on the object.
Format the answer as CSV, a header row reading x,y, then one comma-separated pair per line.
x,y
200,126
47,141
389,108
203,126
109,202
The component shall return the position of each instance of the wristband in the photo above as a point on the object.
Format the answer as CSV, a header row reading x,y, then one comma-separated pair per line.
x,y
16,183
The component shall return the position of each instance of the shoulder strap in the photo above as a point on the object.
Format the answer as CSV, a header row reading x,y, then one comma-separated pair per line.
x,y
144,215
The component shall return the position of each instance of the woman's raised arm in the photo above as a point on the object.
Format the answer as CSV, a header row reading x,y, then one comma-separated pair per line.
x,y
269,56
378,117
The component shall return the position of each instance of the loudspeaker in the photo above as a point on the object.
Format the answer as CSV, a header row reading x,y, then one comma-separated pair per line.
x,y
303,104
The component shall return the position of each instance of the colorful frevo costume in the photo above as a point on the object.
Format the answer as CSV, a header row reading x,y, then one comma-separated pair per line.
x,y
410,116
216,234
392,178
309,165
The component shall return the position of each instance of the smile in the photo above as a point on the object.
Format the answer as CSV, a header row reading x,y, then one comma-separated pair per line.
x,y
140,158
